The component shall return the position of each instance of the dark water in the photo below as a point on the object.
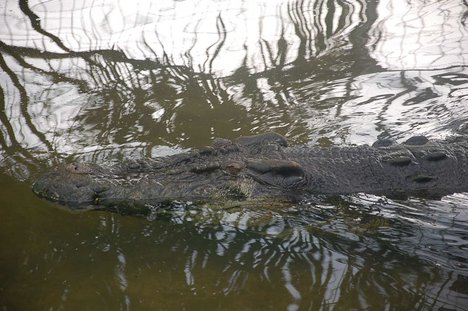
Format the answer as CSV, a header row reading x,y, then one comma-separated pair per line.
x,y
101,79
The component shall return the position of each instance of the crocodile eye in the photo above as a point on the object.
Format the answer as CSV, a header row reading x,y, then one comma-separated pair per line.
x,y
398,160
233,168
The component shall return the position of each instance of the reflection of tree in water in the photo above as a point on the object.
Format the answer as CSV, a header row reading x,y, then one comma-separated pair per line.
x,y
343,257
154,101
309,258
57,103
298,78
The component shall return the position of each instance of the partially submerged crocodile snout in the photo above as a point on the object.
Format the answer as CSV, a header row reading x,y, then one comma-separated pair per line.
x,y
264,167
70,184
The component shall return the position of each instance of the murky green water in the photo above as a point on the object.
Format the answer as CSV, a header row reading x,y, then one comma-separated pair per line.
x,y
101,79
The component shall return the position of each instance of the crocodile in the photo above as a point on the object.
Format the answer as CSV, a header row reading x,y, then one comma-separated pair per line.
x,y
264,167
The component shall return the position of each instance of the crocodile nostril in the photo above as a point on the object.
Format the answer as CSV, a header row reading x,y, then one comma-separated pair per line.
x,y
73,167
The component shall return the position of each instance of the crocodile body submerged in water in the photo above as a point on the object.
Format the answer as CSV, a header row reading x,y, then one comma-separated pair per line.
x,y
264,167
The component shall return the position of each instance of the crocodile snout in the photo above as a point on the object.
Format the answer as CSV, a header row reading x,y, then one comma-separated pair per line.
x,y
70,184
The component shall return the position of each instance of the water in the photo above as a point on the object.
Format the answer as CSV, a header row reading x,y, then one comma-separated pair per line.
x,y
102,80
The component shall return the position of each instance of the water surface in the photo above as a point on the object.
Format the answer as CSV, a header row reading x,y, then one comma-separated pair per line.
x,y
100,80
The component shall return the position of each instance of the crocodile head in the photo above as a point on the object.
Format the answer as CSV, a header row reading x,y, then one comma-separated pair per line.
x,y
250,167
88,185
74,185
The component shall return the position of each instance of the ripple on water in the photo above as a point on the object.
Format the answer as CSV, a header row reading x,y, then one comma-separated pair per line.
x,y
103,80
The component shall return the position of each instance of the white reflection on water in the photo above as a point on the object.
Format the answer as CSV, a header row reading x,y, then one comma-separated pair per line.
x,y
218,36
402,104
208,35
122,279
420,34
